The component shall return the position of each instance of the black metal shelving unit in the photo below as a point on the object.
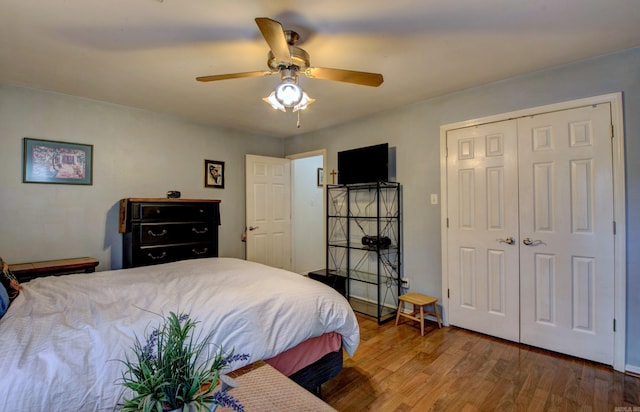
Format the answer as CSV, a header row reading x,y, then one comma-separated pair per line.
x,y
364,245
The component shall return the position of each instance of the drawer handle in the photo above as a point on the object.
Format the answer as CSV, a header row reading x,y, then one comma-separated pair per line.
x,y
152,233
162,256
196,252
194,230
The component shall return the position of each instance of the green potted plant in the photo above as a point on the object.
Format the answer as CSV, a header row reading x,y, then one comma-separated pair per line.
x,y
175,370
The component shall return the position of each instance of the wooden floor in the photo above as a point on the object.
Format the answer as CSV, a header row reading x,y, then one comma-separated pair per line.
x,y
452,369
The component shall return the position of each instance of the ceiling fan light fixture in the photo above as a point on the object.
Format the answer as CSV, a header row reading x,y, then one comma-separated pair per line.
x,y
288,93
304,102
271,99
289,61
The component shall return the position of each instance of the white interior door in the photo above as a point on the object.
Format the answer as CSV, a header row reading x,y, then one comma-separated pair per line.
x,y
268,210
483,229
566,230
546,181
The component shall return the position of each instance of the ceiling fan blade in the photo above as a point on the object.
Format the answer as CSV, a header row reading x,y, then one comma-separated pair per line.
x,y
274,35
233,76
348,76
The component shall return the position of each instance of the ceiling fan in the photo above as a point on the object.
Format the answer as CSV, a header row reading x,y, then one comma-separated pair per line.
x,y
289,61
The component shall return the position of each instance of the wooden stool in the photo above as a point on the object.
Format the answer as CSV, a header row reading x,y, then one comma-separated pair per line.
x,y
419,302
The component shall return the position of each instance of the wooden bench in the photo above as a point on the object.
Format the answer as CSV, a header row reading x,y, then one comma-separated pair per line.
x,y
27,271
419,302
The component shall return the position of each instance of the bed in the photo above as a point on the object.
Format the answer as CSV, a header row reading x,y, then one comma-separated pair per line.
x,y
62,336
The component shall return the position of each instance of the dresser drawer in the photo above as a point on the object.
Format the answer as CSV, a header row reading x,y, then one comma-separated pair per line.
x,y
168,211
151,255
162,233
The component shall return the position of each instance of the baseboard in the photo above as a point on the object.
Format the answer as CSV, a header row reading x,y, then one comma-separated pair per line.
x,y
632,370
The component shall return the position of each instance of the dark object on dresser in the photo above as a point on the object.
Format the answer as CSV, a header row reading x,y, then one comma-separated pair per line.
x,y
166,230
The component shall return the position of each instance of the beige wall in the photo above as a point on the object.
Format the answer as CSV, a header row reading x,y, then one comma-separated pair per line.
x,y
136,154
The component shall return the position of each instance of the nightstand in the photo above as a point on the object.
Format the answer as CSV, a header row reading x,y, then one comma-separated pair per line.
x,y
329,277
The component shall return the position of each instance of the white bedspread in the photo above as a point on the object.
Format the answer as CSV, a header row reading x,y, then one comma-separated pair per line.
x,y
61,337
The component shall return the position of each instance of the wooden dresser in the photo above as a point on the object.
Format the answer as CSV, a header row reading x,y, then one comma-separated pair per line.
x,y
165,230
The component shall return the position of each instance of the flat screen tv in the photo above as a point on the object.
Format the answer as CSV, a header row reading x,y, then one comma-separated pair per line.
x,y
364,165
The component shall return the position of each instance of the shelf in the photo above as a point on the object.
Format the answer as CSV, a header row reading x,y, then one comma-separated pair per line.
x,y
373,211
364,217
366,277
371,309
360,276
367,186
359,246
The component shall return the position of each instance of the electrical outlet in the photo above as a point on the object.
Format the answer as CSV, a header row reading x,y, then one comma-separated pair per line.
x,y
405,283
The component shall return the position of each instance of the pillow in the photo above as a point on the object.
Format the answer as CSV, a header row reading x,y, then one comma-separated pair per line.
x,y
9,281
4,300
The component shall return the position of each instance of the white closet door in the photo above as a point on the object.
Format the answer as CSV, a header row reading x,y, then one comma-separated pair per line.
x,y
483,217
546,181
566,232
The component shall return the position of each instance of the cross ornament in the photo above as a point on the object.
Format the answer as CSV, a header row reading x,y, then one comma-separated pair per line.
x,y
333,176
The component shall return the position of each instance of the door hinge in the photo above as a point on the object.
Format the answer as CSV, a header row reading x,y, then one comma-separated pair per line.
x,y
447,223
614,228
448,294
612,131
614,324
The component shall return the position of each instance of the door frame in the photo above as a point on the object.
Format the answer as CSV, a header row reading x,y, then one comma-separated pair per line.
x,y
312,153
619,201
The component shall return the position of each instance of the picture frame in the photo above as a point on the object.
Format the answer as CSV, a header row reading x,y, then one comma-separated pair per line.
x,y
214,174
320,177
52,161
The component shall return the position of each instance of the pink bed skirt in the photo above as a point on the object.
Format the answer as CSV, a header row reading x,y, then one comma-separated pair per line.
x,y
309,351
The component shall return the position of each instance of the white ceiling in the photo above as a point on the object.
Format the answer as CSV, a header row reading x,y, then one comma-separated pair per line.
x,y
147,53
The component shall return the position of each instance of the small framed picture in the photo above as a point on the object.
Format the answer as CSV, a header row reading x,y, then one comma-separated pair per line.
x,y
214,174
48,161
320,176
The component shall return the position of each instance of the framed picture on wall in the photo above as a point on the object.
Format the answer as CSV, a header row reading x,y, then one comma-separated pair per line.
x,y
214,174
48,161
320,176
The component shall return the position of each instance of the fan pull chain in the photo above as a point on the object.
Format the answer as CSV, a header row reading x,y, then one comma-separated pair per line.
x,y
298,123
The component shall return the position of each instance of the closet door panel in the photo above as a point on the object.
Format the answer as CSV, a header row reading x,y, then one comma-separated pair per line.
x,y
566,231
483,217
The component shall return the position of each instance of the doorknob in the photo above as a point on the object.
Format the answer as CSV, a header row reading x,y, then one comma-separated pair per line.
x,y
529,242
251,228
509,240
